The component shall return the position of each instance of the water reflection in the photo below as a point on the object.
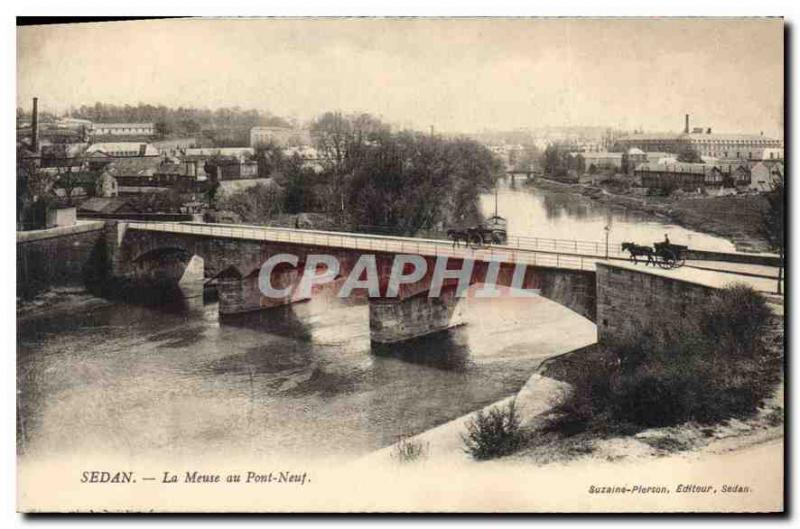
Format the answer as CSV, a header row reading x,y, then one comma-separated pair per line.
x,y
447,350
282,321
533,212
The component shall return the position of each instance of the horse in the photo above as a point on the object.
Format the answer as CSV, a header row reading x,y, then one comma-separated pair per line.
x,y
637,249
458,235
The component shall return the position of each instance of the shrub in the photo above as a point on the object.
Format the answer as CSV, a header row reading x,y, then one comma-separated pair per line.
x,y
590,394
704,363
736,319
493,434
407,450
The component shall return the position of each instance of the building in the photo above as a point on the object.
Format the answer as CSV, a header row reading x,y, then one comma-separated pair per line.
x,y
771,153
283,136
123,129
240,153
601,160
63,155
631,159
705,142
121,150
106,186
75,123
686,176
230,168
175,147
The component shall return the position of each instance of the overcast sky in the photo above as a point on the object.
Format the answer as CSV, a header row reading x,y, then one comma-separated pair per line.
x,y
457,75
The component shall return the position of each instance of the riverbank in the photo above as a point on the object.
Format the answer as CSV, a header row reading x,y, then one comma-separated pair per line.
x,y
551,385
737,218
57,300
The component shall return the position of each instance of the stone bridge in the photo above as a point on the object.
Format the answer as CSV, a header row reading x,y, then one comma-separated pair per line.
x,y
188,255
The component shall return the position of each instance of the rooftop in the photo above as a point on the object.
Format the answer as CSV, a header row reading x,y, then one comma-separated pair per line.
x,y
130,125
694,136
677,167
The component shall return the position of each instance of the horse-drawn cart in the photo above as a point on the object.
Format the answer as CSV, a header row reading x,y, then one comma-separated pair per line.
x,y
492,232
663,254
669,255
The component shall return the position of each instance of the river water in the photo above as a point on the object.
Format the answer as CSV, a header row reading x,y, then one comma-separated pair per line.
x,y
130,380
562,215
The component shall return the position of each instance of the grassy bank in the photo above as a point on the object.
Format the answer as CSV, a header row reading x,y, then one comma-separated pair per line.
x,y
679,385
737,218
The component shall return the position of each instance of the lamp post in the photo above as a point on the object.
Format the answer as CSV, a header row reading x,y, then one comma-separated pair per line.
x,y
607,229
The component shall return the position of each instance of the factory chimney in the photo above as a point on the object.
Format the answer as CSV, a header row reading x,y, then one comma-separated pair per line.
x,y
686,127
35,125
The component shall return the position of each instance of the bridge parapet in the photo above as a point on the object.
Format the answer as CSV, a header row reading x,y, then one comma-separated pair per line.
x,y
628,299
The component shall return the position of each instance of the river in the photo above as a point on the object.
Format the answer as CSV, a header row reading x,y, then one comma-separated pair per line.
x,y
551,214
129,380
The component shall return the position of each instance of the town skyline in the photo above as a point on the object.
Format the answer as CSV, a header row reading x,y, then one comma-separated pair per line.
x,y
483,75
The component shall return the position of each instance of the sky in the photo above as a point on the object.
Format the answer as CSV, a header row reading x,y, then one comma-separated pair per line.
x,y
458,75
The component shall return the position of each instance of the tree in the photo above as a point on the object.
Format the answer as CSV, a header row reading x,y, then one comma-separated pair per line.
x,y
551,160
161,128
212,191
577,162
341,141
190,126
34,192
772,222
254,205
408,182
332,134
270,159
688,154
298,184
526,159
69,180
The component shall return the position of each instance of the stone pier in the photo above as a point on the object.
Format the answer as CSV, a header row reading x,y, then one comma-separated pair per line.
x,y
242,294
396,320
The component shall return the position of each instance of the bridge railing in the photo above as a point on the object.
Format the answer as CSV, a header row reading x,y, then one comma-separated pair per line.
x,y
541,244
392,244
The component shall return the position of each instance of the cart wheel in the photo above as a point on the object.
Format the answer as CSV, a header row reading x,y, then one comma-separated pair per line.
x,y
498,237
668,259
475,241
680,261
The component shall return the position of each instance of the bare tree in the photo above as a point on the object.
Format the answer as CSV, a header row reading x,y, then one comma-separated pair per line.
x,y
69,180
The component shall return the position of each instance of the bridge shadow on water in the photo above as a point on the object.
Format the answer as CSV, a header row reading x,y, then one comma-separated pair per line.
x,y
281,321
167,297
447,350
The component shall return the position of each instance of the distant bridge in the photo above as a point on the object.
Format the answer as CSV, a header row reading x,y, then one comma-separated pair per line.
x,y
527,173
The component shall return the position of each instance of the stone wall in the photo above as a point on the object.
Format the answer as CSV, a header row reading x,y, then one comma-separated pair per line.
x,y
574,289
627,299
67,256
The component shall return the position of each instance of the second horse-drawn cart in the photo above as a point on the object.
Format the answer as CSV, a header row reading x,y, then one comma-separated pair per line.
x,y
493,231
